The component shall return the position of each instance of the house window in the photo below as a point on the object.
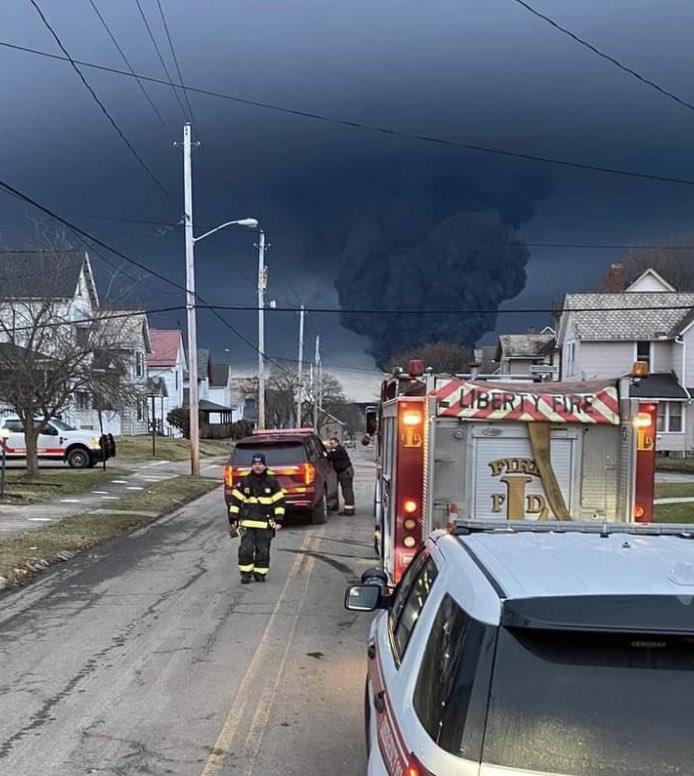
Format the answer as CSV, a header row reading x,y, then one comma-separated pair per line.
x,y
139,364
669,418
176,379
82,400
643,351
140,412
570,358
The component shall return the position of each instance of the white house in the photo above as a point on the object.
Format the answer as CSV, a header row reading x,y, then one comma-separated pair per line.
x,y
220,393
52,297
601,335
167,362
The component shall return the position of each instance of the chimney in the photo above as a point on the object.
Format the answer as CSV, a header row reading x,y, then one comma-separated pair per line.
x,y
615,279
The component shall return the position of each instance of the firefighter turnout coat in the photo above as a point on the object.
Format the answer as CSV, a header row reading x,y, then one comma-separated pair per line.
x,y
257,501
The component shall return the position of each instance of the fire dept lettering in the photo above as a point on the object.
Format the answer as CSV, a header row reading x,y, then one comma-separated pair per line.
x,y
517,474
463,399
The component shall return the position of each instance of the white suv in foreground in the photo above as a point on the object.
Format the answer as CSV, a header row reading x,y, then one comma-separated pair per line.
x,y
58,441
539,648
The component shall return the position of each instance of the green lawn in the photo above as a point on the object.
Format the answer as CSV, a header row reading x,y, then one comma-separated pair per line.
x,y
139,448
56,483
665,464
674,489
25,554
674,513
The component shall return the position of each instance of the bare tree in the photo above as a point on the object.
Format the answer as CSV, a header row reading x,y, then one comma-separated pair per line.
x,y
440,356
56,341
674,261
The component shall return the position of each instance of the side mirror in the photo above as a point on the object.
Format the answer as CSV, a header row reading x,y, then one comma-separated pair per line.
x,y
371,420
365,598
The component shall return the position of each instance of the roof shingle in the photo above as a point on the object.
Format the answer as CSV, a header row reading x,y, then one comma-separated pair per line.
x,y
628,315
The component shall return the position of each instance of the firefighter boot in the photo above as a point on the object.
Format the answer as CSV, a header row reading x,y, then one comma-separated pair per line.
x,y
259,577
246,578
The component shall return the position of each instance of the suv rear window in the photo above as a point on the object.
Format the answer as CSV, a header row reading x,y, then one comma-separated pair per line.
x,y
592,703
275,455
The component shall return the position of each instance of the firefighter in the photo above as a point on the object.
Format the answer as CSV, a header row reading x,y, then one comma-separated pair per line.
x,y
258,507
345,473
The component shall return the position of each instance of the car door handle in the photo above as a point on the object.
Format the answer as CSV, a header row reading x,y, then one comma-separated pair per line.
x,y
371,651
380,702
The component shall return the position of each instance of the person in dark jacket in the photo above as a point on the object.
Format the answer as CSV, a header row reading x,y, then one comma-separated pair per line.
x,y
257,505
339,458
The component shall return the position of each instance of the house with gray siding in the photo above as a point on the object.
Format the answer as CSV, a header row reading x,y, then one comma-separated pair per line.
x,y
600,336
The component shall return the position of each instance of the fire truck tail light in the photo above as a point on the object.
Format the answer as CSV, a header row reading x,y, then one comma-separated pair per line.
x,y
409,506
409,524
642,420
409,542
411,418
229,475
639,511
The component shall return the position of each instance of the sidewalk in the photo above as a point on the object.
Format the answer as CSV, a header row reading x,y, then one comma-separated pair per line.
x,y
16,519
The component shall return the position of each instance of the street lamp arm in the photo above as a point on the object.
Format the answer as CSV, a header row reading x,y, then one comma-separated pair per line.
x,y
251,223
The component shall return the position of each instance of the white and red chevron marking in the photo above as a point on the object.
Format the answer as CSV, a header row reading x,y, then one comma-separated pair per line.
x,y
596,403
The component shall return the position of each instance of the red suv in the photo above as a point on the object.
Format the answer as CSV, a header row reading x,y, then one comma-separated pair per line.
x,y
297,457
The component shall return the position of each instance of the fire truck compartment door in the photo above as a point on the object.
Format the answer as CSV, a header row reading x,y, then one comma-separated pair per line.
x,y
506,479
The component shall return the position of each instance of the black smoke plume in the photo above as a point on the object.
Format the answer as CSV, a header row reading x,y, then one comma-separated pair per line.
x,y
440,242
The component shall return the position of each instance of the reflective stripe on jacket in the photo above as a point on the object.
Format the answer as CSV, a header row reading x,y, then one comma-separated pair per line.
x,y
257,501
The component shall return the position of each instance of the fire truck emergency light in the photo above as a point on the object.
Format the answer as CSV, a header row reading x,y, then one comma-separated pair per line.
x,y
642,420
639,369
411,418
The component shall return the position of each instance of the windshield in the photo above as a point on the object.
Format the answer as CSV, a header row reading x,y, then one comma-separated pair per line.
x,y
592,703
62,426
275,455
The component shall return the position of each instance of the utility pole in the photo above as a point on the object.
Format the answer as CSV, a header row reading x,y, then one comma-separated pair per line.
x,y
316,399
300,383
193,402
262,283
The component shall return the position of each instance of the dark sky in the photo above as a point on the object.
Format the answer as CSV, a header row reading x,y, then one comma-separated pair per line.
x,y
487,73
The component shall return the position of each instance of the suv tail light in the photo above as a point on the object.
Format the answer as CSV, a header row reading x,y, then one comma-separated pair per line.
x,y
309,471
415,768
229,475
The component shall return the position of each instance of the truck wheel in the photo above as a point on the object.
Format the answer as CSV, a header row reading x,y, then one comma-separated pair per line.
x,y
78,458
319,515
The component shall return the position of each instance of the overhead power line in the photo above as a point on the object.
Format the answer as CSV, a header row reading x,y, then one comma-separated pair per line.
x,y
387,131
101,105
456,311
127,63
178,68
161,59
603,55
86,235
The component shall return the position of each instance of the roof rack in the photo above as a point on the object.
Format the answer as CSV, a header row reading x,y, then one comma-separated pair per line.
x,y
485,525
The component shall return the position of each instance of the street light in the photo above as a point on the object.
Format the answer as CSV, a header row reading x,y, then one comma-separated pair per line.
x,y
251,223
193,402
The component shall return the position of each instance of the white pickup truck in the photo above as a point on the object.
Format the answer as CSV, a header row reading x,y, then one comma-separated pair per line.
x,y
59,442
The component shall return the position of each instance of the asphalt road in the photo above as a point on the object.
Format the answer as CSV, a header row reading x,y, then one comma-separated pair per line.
x,y
148,657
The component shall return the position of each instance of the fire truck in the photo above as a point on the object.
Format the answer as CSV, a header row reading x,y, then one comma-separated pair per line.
x,y
470,447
